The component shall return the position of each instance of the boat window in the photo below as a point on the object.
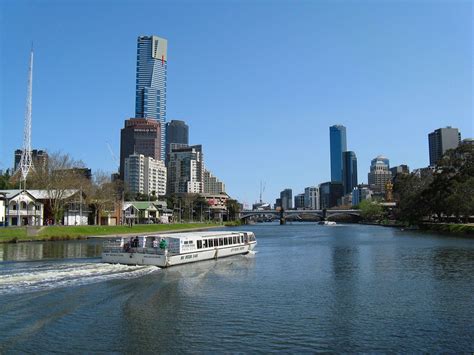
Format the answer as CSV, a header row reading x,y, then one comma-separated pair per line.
x,y
234,240
241,238
199,244
204,243
221,241
186,242
211,243
226,241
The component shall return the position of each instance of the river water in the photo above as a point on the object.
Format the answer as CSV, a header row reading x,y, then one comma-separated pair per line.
x,y
347,288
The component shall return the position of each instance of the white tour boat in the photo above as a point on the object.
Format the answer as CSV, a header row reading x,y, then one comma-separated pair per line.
x,y
327,223
165,250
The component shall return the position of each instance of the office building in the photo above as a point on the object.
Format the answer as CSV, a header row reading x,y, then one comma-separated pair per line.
x,y
299,201
311,198
186,170
337,138
212,185
177,132
399,170
286,197
441,140
349,171
150,99
330,194
145,175
361,193
140,136
379,174
39,158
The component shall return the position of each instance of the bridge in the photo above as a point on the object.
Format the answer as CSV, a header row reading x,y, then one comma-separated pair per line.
x,y
284,214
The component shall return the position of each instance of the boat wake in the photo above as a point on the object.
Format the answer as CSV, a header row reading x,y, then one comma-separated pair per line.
x,y
48,276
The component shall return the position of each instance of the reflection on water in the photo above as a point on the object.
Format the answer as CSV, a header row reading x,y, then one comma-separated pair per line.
x,y
50,250
309,288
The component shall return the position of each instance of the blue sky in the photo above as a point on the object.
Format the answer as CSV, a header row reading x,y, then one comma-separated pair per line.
x,y
258,82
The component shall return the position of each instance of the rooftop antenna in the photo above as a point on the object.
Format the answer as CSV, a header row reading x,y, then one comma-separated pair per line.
x,y
26,161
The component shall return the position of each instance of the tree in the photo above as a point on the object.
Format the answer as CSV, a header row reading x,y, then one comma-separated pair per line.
x,y
370,211
59,177
103,195
233,209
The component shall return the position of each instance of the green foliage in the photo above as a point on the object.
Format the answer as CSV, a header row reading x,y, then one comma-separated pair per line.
x,y
370,211
233,209
446,193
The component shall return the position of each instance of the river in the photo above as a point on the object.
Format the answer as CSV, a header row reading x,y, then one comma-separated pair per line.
x,y
344,288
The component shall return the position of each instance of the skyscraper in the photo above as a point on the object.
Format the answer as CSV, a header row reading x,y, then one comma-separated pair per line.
x,y
379,174
140,136
441,140
349,171
150,100
177,132
338,144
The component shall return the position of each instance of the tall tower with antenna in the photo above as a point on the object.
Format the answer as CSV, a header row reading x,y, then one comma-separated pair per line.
x,y
26,161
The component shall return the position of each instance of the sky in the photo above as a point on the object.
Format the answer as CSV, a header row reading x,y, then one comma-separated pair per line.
x,y
258,82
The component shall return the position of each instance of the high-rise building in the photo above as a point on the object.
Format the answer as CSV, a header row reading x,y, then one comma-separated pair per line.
x,y
311,197
286,197
399,170
349,171
150,99
299,201
186,170
145,175
360,193
140,136
338,144
212,185
177,132
440,140
379,174
38,157
330,194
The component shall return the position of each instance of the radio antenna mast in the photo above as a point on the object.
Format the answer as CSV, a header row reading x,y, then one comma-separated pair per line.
x,y
26,161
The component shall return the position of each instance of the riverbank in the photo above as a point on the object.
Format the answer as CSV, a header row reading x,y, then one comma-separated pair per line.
x,y
51,233
466,229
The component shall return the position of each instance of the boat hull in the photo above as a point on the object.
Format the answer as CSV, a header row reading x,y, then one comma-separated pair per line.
x,y
163,261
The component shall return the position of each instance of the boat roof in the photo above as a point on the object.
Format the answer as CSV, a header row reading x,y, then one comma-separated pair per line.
x,y
184,235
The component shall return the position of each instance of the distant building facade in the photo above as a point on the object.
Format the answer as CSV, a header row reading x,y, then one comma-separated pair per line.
x,y
349,171
330,194
186,170
177,132
299,201
361,193
440,140
140,136
399,170
212,185
286,197
311,198
145,175
338,144
39,158
379,174
150,98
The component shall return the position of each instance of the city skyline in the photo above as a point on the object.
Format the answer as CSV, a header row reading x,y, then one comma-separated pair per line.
x,y
215,99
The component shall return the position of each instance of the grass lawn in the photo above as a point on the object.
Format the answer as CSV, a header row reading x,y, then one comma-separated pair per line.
x,y
77,232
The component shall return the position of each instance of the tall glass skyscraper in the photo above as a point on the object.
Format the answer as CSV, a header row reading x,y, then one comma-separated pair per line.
x,y
349,171
150,100
338,144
